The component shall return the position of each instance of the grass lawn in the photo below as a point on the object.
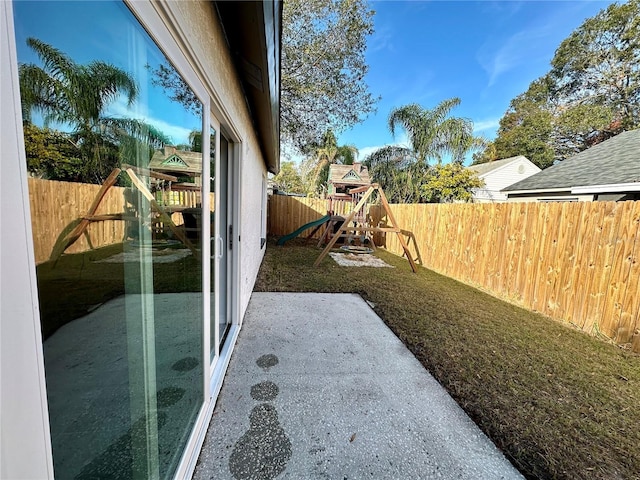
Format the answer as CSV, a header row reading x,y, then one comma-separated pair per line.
x,y
558,403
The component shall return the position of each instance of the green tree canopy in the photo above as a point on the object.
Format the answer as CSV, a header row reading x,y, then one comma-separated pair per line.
x,y
591,93
289,179
323,69
450,182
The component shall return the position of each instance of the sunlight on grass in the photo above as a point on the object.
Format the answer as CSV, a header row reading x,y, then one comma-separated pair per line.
x,y
558,403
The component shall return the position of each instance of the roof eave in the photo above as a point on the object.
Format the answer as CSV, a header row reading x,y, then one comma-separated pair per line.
x,y
536,190
254,32
610,188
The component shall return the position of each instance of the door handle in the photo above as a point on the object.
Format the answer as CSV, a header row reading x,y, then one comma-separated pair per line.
x,y
220,246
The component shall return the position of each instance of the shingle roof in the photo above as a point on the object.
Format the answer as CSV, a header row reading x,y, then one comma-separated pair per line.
x,y
613,161
337,173
484,168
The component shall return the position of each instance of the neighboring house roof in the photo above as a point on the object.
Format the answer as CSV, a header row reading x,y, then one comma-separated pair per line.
x,y
612,162
483,169
356,174
169,159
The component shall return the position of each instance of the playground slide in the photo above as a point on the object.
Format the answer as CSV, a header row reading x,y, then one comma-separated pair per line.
x,y
295,233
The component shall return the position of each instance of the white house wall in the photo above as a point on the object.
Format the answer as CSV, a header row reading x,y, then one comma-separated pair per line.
x,y
503,177
210,51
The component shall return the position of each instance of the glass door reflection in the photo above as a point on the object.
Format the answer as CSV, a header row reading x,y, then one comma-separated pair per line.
x,y
222,241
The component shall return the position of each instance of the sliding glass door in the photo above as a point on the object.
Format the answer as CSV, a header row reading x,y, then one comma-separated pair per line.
x,y
113,139
221,311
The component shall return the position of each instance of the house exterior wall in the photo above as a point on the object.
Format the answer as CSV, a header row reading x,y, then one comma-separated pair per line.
x,y
501,178
207,40
25,442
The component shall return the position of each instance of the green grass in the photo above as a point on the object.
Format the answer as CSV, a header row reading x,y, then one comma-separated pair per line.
x,y
557,402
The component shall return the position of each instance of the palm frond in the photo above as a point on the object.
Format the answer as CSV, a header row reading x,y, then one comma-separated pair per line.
x,y
54,61
138,129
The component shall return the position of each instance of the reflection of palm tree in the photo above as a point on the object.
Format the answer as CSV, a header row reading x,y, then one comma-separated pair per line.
x,y
77,95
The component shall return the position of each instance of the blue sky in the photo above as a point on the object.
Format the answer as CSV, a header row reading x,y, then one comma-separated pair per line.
x,y
104,31
484,52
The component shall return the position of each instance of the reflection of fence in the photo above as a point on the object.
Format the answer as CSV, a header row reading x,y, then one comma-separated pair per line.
x,y
575,262
56,205
190,199
286,214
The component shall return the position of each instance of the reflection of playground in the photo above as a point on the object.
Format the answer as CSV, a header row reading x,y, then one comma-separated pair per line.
x,y
158,254
161,215
95,370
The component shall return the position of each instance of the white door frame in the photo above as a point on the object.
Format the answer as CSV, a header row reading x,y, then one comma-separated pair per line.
x,y
25,441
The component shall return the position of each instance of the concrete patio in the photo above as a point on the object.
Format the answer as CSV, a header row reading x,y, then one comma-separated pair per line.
x,y
319,387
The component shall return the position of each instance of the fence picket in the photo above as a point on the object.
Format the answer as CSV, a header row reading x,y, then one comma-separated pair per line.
x,y
576,262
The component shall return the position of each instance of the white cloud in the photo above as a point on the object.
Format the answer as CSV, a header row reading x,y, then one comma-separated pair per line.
x,y
119,108
520,48
381,40
488,124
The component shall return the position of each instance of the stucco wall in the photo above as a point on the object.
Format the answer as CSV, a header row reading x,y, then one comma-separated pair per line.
x,y
199,24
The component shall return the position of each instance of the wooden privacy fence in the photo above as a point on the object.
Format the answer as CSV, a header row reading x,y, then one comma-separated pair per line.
x,y
575,262
56,205
286,214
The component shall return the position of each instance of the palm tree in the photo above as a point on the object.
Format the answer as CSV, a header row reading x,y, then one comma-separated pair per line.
x,y
433,133
400,170
77,95
329,152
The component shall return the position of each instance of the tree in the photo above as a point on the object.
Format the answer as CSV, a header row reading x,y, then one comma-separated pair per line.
x,y
77,95
599,63
526,128
450,182
323,69
591,93
328,152
433,133
51,155
322,82
288,179
396,171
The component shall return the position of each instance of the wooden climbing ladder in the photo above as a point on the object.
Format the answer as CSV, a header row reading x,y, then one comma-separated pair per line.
x,y
364,227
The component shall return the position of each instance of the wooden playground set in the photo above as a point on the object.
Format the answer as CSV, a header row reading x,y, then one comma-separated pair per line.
x,y
356,229
159,216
